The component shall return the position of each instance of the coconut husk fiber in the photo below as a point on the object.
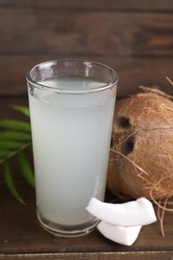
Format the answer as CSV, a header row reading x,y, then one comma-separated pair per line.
x,y
141,159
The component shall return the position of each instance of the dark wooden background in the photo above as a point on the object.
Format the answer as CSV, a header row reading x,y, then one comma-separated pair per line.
x,y
135,37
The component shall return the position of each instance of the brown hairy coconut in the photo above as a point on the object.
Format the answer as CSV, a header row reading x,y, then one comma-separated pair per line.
x,y
141,160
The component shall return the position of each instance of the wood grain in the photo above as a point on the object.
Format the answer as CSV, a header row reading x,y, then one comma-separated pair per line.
x,y
34,31
111,5
134,37
98,256
132,72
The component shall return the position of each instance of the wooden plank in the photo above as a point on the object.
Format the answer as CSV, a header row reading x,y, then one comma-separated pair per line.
x,y
97,256
96,4
132,72
103,34
138,44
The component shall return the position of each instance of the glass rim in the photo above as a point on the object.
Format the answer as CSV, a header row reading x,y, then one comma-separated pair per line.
x,y
105,86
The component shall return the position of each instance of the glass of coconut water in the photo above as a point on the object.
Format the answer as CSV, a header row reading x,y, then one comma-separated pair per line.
x,y
71,109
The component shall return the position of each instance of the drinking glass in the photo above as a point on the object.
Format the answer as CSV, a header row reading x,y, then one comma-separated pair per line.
x,y
71,110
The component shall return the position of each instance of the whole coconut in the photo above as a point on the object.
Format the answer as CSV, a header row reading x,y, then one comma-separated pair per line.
x,y
141,160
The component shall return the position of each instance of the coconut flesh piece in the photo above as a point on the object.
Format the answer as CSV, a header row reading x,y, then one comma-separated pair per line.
x,y
134,213
119,234
122,223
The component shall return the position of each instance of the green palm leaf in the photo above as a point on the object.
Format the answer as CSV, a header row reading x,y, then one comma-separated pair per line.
x,y
24,110
15,137
15,124
10,183
26,169
3,154
10,145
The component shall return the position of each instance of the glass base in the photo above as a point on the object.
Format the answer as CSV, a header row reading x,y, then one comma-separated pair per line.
x,y
64,230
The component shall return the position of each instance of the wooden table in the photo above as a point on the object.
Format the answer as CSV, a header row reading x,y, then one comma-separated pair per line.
x,y
21,236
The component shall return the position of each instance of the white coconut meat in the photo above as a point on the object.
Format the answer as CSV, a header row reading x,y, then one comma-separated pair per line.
x,y
134,213
122,235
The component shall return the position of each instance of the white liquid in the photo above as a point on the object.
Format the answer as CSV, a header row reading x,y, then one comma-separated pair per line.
x,y
71,142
